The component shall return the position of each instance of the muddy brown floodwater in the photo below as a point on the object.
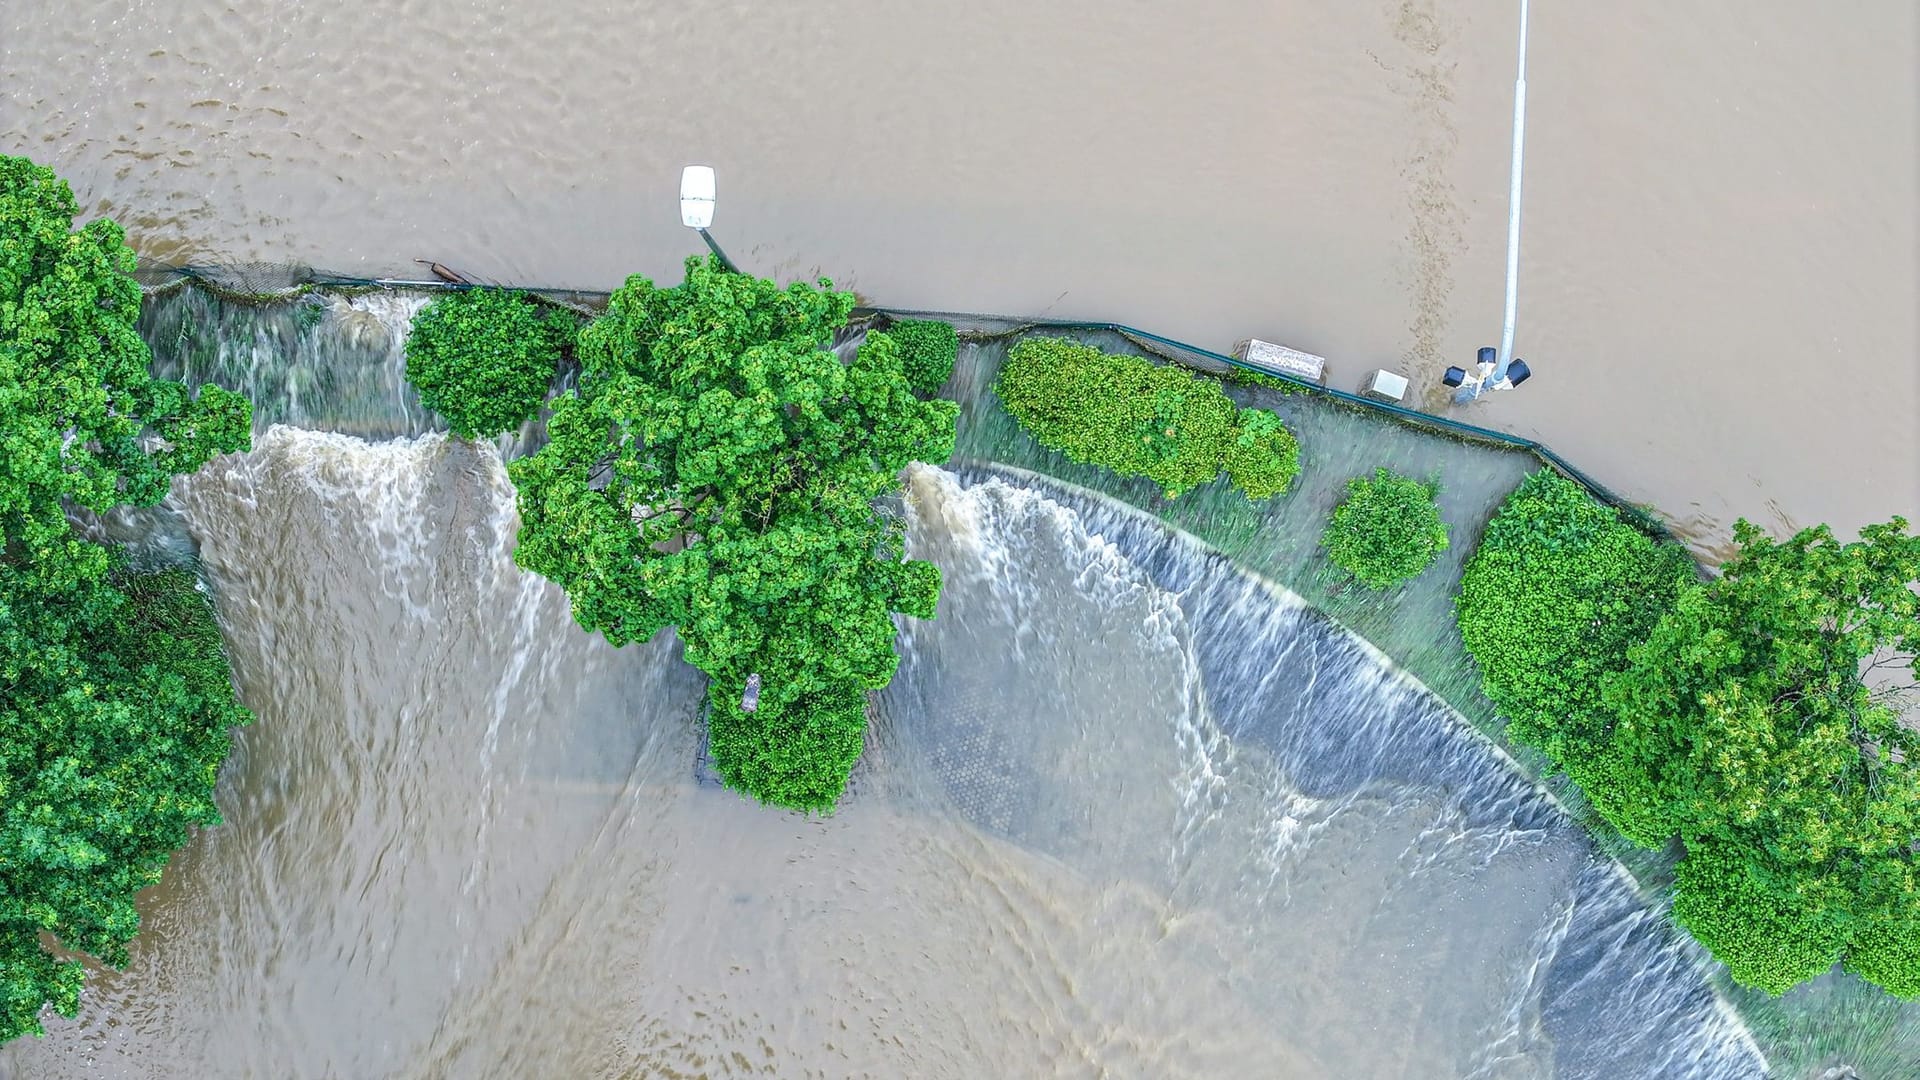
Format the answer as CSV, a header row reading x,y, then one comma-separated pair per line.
x,y
1124,812
1102,829
1719,269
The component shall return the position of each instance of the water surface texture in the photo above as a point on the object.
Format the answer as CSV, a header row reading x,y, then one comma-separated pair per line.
x,y
1125,812
1719,266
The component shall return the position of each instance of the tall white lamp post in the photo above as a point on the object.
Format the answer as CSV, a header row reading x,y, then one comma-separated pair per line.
x,y
1498,369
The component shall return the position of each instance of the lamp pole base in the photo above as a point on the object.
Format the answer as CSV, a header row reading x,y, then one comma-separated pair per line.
x,y
717,253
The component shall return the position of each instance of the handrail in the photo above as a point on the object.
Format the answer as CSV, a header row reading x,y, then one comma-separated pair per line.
x,y
218,279
1545,453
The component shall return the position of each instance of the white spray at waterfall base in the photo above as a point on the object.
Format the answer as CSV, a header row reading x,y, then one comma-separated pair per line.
x,y
1427,849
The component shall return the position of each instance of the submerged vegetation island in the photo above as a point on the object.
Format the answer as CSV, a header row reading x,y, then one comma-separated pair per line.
x,y
717,471
1138,418
115,699
723,458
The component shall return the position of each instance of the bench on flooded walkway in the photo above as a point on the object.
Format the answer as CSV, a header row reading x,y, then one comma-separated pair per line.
x,y
1281,360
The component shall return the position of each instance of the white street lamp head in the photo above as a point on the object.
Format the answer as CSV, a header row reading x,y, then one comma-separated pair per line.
x,y
696,196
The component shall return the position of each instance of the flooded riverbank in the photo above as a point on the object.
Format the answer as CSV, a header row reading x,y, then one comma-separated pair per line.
x,y
1718,271
465,839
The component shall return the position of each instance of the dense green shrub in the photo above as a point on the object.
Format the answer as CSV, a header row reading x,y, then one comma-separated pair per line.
x,y
716,471
927,352
116,696
484,358
1757,717
1143,419
1386,530
1558,590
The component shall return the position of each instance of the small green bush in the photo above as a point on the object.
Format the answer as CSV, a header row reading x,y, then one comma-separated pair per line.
x,y
1144,419
1386,530
927,351
484,358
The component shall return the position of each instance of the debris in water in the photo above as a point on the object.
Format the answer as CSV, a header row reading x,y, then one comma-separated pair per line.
x,y
446,274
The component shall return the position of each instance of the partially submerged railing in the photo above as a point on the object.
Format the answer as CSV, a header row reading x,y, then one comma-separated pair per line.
x,y
261,282
1400,413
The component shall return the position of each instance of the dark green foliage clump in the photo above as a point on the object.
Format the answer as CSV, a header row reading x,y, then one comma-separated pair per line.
x,y
115,698
1557,592
1144,419
716,471
484,358
76,399
1386,530
117,714
1757,717
927,352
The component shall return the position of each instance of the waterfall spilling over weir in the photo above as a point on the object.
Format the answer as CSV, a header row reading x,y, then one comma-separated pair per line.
x,y
332,361
1125,810
1335,813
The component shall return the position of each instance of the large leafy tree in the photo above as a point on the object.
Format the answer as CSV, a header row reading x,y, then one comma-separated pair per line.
x,y
80,418
1767,720
717,470
114,696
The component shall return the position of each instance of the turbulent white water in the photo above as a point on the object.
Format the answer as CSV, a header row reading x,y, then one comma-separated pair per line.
x,y
1125,812
1355,832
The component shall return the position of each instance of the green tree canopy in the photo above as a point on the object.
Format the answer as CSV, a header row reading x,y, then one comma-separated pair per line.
x,y
717,471
116,710
1767,720
80,418
484,358
1386,530
114,695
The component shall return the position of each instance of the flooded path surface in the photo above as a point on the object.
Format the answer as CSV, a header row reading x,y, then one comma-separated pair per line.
x,y
1719,276
1125,812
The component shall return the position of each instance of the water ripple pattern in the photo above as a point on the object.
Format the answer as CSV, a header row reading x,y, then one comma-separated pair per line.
x,y
1125,812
